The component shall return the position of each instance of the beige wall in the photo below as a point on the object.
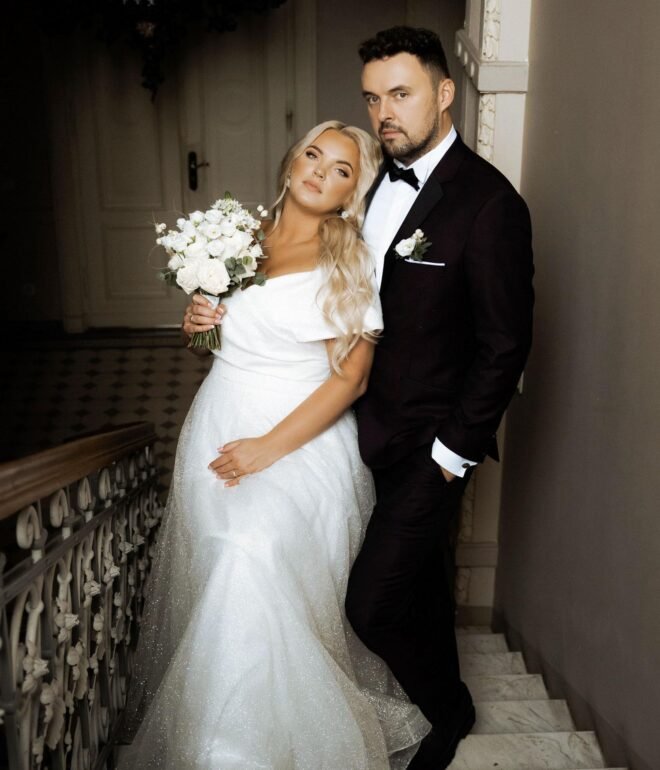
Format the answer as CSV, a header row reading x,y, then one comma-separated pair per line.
x,y
579,575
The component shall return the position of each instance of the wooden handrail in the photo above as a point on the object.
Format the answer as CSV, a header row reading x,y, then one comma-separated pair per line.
x,y
30,478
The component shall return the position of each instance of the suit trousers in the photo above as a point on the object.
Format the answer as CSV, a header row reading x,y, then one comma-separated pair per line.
x,y
400,598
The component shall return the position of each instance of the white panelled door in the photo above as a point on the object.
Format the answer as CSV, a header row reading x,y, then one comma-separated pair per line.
x,y
230,103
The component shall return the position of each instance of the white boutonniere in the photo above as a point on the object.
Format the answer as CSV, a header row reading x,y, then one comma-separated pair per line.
x,y
414,247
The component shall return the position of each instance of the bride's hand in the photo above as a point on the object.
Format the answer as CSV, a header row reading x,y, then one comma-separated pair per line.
x,y
241,458
201,316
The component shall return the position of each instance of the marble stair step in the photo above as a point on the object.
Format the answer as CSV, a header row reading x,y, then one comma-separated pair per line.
x,y
522,716
530,751
482,643
506,687
477,664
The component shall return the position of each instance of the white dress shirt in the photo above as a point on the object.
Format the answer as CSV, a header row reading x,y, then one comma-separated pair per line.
x,y
391,203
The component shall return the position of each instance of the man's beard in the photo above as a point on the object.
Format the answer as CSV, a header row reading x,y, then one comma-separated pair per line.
x,y
407,150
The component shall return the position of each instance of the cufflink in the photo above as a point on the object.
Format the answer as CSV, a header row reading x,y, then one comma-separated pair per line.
x,y
465,465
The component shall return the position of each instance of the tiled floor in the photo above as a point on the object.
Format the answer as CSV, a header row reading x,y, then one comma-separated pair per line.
x,y
50,395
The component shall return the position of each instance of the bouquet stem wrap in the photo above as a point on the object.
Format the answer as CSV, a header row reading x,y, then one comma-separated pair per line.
x,y
212,339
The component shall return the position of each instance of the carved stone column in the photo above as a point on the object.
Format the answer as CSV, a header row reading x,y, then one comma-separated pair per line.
x,y
492,51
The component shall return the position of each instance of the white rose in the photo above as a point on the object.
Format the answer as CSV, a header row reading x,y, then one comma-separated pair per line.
x,y
213,216
216,248
406,247
176,262
213,276
210,231
179,242
181,222
228,228
197,217
160,227
189,229
196,250
187,278
234,244
255,251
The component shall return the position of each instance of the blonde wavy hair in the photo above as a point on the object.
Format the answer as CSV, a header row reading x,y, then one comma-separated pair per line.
x,y
343,256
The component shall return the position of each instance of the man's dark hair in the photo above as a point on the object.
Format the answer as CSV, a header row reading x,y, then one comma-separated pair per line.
x,y
419,42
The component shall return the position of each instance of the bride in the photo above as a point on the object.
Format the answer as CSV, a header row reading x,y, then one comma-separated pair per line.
x,y
245,658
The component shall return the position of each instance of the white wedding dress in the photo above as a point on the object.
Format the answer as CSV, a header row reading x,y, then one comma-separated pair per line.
x,y
245,658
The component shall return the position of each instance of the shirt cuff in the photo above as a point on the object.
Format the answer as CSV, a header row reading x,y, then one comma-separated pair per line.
x,y
449,460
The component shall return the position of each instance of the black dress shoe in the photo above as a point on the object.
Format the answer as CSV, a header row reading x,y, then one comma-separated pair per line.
x,y
436,751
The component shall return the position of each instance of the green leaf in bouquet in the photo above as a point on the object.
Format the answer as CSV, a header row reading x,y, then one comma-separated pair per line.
x,y
261,235
168,276
239,270
260,278
230,263
228,196
230,290
247,260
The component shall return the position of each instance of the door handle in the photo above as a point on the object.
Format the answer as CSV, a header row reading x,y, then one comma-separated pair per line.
x,y
193,165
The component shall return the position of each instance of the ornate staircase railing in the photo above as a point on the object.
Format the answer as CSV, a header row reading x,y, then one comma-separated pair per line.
x,y
77,525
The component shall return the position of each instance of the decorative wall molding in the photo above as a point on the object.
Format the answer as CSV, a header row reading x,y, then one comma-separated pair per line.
x,y
490,41
486,127
493,76
493,50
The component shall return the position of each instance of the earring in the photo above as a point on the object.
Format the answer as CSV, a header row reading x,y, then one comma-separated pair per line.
x,y
288,181
345,214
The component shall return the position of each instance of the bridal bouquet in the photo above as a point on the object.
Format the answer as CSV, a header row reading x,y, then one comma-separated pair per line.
x,y
213,252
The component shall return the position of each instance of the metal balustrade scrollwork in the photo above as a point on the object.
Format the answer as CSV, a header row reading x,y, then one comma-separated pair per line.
x,y
77,527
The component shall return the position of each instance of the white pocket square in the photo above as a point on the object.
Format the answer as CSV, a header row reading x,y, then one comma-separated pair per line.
x,y
420,262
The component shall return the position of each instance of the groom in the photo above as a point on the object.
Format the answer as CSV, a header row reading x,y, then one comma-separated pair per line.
x,y
458,320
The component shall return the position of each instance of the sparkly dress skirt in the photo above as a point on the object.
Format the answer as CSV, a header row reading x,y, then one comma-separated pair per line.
x,y
245,658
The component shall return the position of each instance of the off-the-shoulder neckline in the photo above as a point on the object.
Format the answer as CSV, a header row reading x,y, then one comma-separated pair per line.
x,y
289,275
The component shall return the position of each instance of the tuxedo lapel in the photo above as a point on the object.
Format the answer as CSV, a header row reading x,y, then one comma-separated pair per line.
x,y
428,198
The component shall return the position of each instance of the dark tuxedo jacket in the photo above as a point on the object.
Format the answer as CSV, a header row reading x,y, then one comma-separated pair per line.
x,y
458,331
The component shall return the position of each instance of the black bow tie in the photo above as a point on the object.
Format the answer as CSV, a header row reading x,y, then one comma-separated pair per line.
x,y
404,174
